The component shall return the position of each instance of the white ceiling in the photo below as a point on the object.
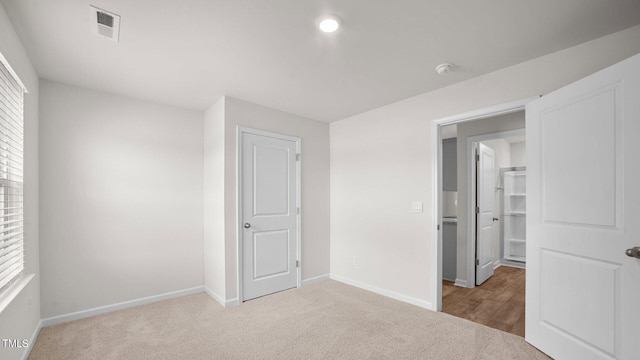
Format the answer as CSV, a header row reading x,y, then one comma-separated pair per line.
x,y
190,52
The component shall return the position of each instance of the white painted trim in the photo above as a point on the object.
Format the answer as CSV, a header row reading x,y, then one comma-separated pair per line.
x,y
436,234
513,264
214,296
472,144
32,341
13,290
461,283
496,264
119,306
384,292
436,168
232,302
239,131
488,112
471,214
238,197
220,300
6,64
315,279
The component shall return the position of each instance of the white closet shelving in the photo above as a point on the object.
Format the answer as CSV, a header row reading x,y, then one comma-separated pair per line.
x,y
514,214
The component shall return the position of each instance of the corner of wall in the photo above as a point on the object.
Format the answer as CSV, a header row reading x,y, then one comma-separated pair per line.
x,y
213,208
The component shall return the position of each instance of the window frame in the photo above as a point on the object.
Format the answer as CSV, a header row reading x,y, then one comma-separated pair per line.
x,y
19,280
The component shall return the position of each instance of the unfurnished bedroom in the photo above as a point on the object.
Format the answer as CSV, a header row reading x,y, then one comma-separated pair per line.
x,y
319,179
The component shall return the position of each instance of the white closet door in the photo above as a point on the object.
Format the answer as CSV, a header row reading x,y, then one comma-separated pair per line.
x,y
486,199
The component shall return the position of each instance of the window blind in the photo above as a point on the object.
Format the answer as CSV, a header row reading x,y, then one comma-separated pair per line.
x,y
11,177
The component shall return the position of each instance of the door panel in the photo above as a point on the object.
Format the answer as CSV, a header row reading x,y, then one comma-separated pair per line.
x,y
583,211
271,253
271,180
591,120
563,305
269,215
486,198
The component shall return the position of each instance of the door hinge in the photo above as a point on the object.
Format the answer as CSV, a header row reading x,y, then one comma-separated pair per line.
x,y
438,227
297,263
477,261
477,157
477,210
298,211
298,156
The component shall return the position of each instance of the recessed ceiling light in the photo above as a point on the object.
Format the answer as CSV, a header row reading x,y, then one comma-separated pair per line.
x,y
329,23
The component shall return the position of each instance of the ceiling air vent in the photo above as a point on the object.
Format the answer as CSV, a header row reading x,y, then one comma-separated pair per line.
x,y
105,24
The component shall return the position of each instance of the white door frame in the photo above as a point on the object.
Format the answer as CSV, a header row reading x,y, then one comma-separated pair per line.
x,y
436,168
472,144
240,130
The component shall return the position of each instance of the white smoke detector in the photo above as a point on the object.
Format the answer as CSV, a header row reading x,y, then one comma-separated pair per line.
x,y
444,68
104,23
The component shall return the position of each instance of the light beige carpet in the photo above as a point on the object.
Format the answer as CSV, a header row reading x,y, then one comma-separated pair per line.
x,y
327,320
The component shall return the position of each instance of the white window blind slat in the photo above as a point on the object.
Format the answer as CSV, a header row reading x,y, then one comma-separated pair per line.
x,y
10,241
9,112
10,222
9,132
6,265
11,103
9,88
5,251
7,276
15,88
11,177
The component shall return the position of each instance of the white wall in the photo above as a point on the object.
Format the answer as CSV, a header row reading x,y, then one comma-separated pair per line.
x,y
518,154
381,160
214,230
315,183
20,319
121,189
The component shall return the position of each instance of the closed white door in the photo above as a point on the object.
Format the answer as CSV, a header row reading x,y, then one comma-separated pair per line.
x,y
269,214
583,183
484,213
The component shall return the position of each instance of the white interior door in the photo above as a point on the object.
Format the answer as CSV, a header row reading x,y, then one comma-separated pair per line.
x,y
583,143
269,214
484,214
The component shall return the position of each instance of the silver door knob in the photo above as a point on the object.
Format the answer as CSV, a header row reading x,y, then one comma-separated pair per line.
x,y
633,252
247,225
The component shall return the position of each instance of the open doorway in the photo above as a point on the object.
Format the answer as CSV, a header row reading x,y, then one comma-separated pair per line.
x,y
498,298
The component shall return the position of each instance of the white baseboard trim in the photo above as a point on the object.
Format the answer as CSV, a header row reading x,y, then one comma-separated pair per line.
x,y
514,264
315,279
32,341
461,283
384,292
214,296
119,306
496,264
219,299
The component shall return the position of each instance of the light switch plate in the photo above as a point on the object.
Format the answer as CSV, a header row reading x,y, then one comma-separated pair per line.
x,y
416,206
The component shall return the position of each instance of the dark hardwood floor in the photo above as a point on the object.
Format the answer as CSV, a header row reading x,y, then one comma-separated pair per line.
x,y
497,303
